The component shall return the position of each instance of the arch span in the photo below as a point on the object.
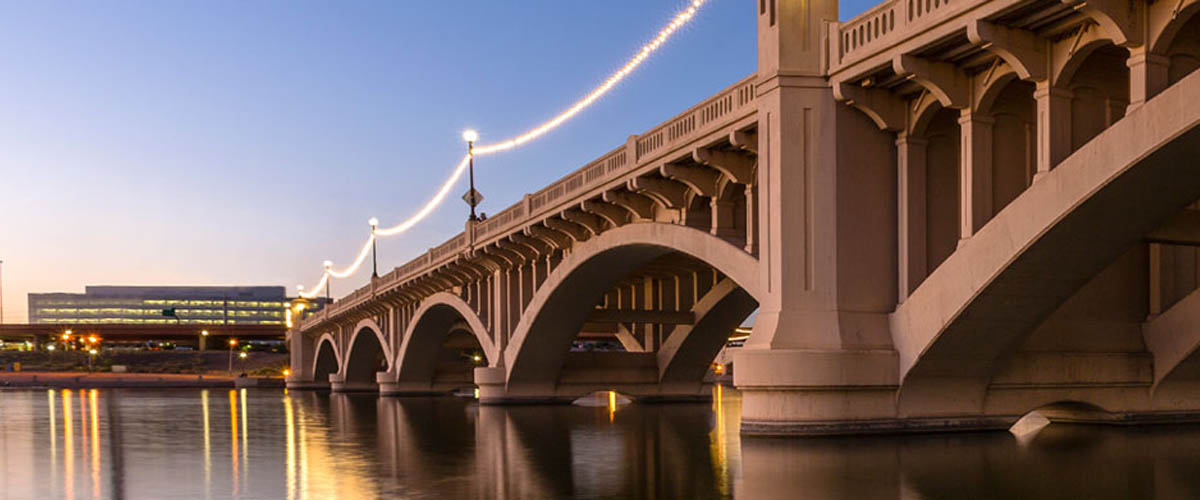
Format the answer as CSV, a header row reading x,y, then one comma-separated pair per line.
x,y
328,359
1045,245
366,351
686,355
435,319
543,336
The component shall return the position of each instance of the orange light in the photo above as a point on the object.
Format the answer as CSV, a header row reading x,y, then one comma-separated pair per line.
x,y
232,342
287,372
92,339
67,336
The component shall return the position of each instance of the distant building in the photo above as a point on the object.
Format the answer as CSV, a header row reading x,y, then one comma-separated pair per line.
x,y
197,305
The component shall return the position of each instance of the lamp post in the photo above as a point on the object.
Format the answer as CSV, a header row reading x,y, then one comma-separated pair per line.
x,y
242,356
232,342
374,259
203,340
470,136
328,282
91,355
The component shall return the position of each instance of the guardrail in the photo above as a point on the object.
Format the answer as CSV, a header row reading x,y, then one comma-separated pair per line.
x,y
885,24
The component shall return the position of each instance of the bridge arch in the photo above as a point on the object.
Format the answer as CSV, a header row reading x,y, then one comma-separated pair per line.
x,y
328,360
560,306
1044,246
366,354
438,317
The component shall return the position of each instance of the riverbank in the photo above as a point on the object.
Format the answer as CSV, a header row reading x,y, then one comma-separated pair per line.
x,y
206,363
76,380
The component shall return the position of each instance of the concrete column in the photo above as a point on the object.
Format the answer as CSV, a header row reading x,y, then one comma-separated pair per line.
x,y
911,183
1053,126
751,220
821,350
722,218
975,189
302,352
1147,75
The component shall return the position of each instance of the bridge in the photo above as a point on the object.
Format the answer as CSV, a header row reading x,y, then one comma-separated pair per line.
x,y
948,214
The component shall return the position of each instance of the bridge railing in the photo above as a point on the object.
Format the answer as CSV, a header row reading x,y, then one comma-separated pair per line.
x,y
731,103
885,25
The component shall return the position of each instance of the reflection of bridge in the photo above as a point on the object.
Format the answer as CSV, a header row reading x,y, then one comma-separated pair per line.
x,y
1000,215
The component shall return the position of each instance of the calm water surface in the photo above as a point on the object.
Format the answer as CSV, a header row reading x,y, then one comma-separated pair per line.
x,y
267,444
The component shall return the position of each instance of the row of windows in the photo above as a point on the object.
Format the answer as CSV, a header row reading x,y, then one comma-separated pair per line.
x,y
95,301
126,321
113,311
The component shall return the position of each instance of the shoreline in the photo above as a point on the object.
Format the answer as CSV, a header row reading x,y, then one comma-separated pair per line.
x,y
76,380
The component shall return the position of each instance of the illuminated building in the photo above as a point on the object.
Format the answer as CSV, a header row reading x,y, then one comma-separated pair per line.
x,y
198,305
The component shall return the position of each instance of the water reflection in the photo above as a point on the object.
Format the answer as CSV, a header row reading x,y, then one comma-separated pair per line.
x,y
152,444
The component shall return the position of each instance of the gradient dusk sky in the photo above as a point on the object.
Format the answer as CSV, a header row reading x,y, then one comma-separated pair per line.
x,y
243,142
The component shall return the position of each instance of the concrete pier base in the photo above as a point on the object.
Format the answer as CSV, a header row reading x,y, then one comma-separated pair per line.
x,y
340,384
493,390
298,384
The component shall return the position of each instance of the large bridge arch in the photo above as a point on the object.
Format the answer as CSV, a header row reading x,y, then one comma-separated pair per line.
x,y
559,308
438,316
1044,246
366,351
328,360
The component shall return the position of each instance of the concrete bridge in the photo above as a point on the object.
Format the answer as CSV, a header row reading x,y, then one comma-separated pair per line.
x,y
947,213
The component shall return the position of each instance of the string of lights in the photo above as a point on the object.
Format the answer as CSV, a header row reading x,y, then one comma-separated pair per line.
x,y
649,48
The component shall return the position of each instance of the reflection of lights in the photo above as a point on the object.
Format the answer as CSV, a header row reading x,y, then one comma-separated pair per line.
x,y
612,405
290,425
94,410
470,135
68,446
207,442
53,431
233,447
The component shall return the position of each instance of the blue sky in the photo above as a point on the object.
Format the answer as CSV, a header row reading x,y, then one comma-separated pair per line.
x,y
224,142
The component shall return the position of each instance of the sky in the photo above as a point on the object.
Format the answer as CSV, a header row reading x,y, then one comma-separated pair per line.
x,y
243,143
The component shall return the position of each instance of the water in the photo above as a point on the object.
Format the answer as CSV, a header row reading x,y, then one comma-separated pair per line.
x,y
267,444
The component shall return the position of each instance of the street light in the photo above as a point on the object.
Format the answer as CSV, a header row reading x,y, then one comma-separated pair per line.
x,y
374,260
204,332
91,356
232,342
329,283
242,355
471,136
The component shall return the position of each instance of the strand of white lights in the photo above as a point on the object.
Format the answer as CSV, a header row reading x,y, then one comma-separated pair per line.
x,y
649,48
